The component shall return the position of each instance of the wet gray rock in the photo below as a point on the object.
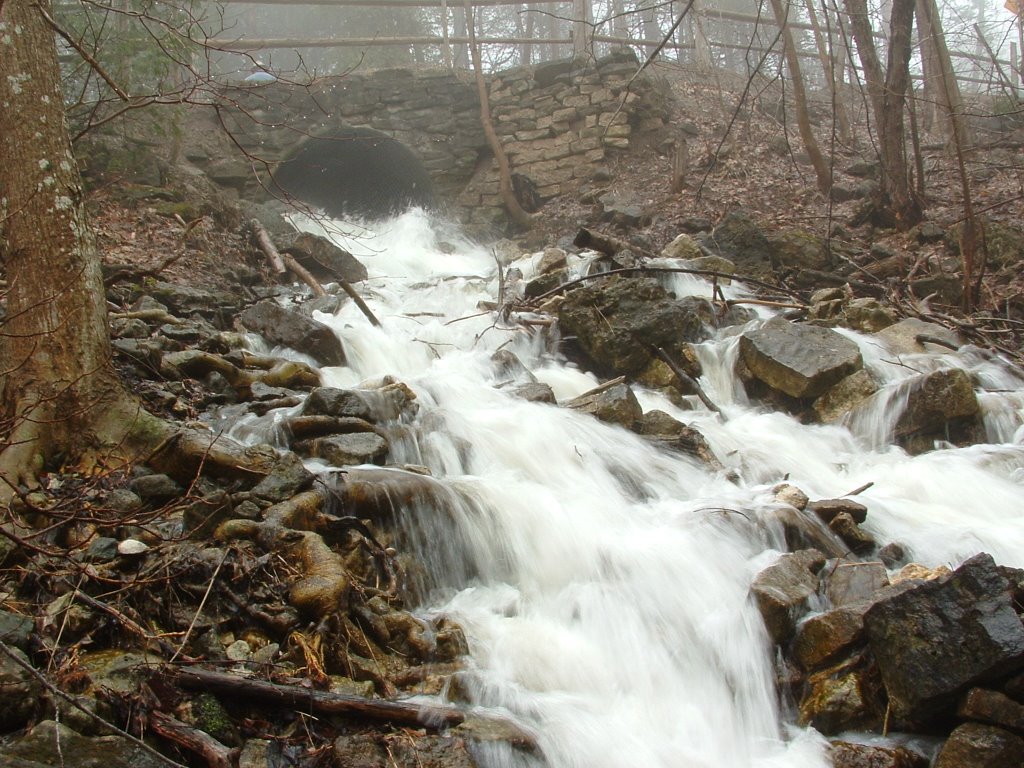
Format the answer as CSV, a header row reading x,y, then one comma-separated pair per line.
x,y
290,328
801,361
973,745
852,581
345,450
287,478
535,392
902,337
615,405
551,260
508,367
784,590
612,325
324,260
118,670
683,247
202,516
918,638
329,401
940,404
833,406
743,241
673,434
15,629
827,509
846,754
868,315
183,301
797,249
622,211
49,744
156,489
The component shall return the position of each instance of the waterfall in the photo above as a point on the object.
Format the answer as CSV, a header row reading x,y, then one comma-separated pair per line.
x,y
603,582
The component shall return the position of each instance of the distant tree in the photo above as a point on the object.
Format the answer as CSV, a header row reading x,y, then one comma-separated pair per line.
x,y
897,204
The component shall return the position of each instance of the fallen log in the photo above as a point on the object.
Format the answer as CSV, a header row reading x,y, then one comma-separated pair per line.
x,y
432,716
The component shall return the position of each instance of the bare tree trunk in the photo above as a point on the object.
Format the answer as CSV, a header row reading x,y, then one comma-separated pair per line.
x,y
931,69
960,145
701,47
947,89
887,93
822,172
649,23
526,52
508,196
829,69
582,16
61,397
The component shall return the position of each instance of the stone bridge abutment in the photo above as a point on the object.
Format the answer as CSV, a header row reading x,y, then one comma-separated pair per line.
x,y
558,123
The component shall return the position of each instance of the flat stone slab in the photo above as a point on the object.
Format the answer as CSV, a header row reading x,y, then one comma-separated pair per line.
x,y
801,361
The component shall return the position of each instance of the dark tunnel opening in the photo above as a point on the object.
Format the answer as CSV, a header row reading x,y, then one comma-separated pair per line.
x,y
356,172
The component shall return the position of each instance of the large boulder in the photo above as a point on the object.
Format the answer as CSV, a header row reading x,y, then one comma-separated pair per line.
x,y
612,325
942,404
798,249
290,328
973,745
742,240
802,361
937,639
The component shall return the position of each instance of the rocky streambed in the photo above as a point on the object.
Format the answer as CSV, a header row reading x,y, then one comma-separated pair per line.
x,y
271,604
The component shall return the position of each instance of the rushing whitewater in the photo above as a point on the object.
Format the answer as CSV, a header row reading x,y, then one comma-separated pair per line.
x,y
603,583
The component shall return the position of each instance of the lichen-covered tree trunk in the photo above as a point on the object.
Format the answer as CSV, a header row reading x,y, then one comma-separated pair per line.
x,y
61,399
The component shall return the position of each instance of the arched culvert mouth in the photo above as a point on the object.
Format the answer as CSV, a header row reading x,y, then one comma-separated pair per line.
x,y
356,172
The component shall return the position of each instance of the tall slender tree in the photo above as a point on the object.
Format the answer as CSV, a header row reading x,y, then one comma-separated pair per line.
x,y
898,205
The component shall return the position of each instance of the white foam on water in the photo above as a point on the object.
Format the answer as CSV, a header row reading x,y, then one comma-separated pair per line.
x,y
603,582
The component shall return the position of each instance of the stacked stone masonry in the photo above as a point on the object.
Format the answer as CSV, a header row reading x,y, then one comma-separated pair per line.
x,y
557,122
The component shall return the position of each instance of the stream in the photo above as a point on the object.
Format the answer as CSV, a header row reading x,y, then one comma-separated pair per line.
x,y
603,583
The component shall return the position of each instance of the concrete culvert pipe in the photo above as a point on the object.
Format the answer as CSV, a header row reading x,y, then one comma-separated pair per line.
x,y
356,172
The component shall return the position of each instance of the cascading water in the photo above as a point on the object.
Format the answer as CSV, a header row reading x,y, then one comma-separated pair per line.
x,y
603,583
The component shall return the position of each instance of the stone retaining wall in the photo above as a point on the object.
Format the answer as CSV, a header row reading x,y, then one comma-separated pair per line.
x,y
560,121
